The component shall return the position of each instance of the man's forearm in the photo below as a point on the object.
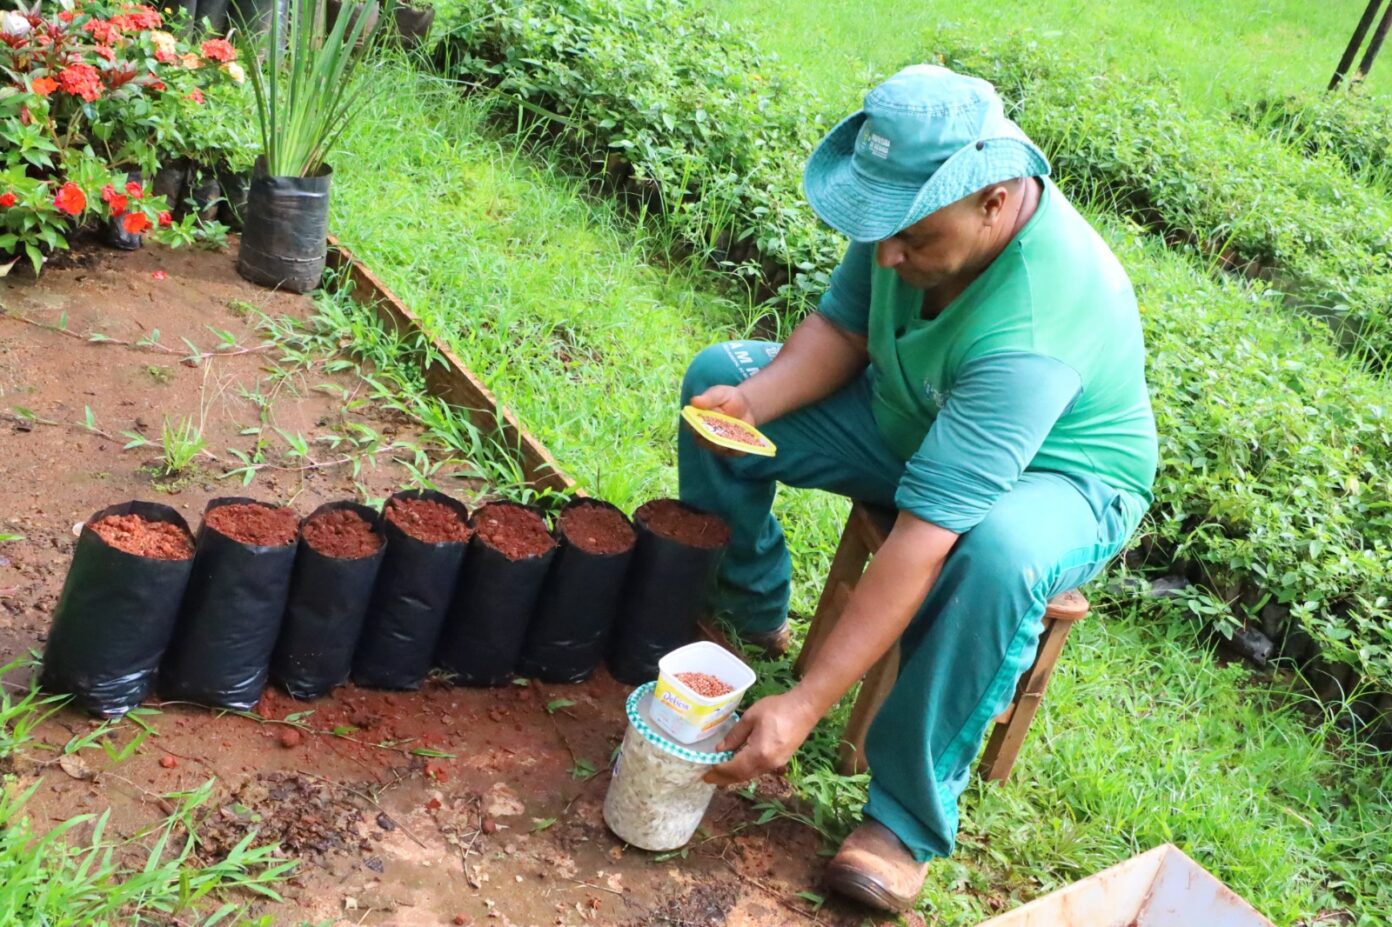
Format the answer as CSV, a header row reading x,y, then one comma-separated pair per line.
x,y
817,360
881,607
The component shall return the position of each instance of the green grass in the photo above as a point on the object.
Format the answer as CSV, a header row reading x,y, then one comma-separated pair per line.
x,y
1211,49
562,307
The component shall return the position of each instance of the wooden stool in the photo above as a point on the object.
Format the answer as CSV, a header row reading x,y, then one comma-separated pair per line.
x,y
866,529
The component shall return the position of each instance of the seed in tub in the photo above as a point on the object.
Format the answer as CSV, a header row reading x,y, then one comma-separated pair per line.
x,y
705,685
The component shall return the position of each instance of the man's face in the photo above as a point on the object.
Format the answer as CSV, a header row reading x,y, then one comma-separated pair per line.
x,y
943,244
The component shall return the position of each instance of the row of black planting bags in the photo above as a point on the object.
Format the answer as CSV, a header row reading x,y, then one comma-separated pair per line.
x,y
215,627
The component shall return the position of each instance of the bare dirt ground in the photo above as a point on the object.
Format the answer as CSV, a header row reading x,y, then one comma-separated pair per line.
x,y
447,806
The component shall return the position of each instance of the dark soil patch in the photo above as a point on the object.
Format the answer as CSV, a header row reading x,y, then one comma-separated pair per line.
x,y
342,533
308,817
513,531
596,529
427,520
254,523
732,432
158,540
670,519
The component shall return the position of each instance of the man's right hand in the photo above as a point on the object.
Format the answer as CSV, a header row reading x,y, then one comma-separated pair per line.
x,y
729,401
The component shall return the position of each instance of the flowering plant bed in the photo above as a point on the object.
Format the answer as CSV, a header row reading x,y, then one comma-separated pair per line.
x,y
91,99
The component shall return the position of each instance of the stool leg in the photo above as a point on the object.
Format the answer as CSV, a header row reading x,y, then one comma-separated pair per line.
x,y
873,691
846,568
1007,738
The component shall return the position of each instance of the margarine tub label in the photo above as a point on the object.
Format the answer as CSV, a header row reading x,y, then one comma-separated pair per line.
x,y
698,687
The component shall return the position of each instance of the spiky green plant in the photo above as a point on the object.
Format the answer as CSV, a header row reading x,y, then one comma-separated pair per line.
x,y
302,76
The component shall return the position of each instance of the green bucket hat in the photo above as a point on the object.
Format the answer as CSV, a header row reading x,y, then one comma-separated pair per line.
x,y
927,137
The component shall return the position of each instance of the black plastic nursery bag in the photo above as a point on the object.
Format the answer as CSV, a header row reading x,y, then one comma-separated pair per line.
x,y
669,586
285,230
492,608
410,603
230,621
114,618
328,601
578,606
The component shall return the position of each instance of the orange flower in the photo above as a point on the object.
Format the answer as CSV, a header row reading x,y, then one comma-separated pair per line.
x,y
81,80
43,86
136,191
117,201
7,200
218,50
70,199
135,222
166,219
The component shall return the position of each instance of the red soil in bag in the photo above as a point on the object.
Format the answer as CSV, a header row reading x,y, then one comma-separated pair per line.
x,y
596,529
342,533
158,540
428,521
513,531
257,525
667,518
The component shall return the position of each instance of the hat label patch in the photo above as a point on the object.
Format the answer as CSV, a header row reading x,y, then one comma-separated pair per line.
x,y
878,145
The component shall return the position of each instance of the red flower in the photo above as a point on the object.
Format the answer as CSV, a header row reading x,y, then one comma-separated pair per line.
x,y
43,86
106,51
165,219
137,18
81,80
136,191
7,200
159,275
117,201
158,85
164,56
135,222
102,31
196,96
70,199
68,16
218,50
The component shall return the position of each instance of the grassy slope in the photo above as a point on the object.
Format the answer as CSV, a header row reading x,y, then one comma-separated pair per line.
x,y
549,297
1212,49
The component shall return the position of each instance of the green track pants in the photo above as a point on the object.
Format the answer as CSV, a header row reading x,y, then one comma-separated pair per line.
x,y
978,629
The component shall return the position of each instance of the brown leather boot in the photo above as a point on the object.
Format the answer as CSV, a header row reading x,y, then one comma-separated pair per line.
x,y
874,868
772,644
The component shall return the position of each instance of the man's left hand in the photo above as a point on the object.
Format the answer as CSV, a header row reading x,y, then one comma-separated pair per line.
x,y
767,736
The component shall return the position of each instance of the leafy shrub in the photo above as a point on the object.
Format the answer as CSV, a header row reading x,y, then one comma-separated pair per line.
x,y
672,107
1352,127
1244,199
89,96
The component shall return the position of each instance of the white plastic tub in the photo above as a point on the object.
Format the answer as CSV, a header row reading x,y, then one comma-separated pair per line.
x,y
1161,888
683,712
656,798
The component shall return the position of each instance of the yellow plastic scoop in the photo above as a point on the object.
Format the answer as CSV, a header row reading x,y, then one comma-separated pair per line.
x,y
728,432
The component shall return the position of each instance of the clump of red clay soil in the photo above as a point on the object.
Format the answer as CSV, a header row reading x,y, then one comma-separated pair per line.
x,y
670,519
255,524
427,520
596,529
513,531
157,540
342,533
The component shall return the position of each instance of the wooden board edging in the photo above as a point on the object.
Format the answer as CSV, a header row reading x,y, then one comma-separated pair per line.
x,y
452,381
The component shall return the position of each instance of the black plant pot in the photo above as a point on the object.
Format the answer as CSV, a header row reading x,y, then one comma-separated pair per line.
x,y
232,210
492,609
372,13
669,585
170,181
413,24
205,193
115,234
115,618
221,652
409,604
285,238
324,615
578,605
